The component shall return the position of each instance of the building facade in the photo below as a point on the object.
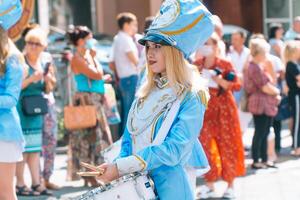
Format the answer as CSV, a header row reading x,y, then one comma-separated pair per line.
x,y
255,15
100,15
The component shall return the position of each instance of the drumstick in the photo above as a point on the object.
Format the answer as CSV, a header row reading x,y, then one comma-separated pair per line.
x,y
92,167
89,173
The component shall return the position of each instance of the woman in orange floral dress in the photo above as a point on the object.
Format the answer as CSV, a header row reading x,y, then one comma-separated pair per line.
x,y
221,135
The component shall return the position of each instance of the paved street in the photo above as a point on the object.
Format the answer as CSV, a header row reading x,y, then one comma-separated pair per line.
x,y
271,184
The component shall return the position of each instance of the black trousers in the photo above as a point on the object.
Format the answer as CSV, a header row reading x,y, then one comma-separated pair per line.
x,y
262,124
277,131
294,101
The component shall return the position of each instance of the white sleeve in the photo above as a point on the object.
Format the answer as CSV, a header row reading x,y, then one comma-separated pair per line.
x,y
130,164
278,65
112,53
127,45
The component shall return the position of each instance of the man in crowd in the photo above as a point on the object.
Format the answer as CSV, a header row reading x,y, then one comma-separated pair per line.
x,y
294,32
125,60
238,54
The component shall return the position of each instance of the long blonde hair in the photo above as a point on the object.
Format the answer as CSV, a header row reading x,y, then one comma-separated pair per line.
x,y
291,47
181,75
7,49
4,50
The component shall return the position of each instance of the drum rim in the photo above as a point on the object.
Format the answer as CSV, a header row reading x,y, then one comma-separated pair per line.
x,y
108,186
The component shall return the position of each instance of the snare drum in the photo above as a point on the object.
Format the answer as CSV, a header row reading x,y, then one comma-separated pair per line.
x,y
135,186
112,152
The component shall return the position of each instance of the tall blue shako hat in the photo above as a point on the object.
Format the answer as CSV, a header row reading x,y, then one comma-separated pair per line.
x,y
183,24
10,13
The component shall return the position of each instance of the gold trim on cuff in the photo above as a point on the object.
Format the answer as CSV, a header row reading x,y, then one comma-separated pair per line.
x,y
143,163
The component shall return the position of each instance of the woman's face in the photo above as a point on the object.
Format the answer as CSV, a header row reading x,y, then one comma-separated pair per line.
x,y
34,47
155,57
279,33
82,42
208,49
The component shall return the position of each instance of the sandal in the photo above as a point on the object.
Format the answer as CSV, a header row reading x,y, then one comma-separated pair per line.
x,y
51,186
271,165
25,191
256,166
43,192
294,154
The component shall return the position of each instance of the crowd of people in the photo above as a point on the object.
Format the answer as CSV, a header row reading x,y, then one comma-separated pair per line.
x,y
259,83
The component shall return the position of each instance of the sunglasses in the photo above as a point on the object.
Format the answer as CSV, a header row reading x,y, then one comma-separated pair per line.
x,y
34,44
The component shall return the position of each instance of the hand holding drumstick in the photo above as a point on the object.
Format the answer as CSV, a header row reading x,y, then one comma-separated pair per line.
x,y
94,171
105,172
110,172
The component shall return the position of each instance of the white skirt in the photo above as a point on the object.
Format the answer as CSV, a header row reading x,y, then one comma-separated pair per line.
x,y
10,152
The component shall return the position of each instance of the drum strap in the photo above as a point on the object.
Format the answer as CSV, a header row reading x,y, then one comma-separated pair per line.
x,y
167,123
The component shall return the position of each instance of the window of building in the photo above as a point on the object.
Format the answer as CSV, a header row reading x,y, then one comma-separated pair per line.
x,y
280,11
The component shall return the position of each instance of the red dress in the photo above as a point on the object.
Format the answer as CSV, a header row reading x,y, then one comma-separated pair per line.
x,y
221,135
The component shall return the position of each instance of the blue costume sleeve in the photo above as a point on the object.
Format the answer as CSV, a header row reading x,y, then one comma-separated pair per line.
x,y
180,140
126,149
13,76
178,144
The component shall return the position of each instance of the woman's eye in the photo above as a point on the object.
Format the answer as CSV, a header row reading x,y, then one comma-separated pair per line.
x,y
153,46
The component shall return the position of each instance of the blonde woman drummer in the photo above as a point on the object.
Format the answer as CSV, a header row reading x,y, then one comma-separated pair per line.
x,y
178,31
11,73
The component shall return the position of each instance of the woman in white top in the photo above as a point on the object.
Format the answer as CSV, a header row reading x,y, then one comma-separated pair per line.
x,y
275,39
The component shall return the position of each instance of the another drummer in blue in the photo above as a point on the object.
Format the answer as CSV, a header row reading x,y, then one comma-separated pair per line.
x,y
177,31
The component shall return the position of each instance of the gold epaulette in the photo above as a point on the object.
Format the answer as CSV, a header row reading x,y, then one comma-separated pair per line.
x,y
204,97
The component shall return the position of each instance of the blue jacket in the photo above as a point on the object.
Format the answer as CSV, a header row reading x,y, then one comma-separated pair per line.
x,y
10,87
166,162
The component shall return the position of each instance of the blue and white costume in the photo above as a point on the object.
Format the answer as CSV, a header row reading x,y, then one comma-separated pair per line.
x,y
185,25
11,137
166,162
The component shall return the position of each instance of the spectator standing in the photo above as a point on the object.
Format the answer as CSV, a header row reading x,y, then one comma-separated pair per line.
x,y
35,83
294,32
239,55
86,144
262,100
50,125
292,57
273,65
283,113
275,39
49,137
125,59
221,135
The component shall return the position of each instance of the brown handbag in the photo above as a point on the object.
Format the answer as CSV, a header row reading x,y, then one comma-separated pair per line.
x,y
79,117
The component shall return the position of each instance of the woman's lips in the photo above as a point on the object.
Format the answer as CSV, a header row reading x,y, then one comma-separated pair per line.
x,y
151,62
